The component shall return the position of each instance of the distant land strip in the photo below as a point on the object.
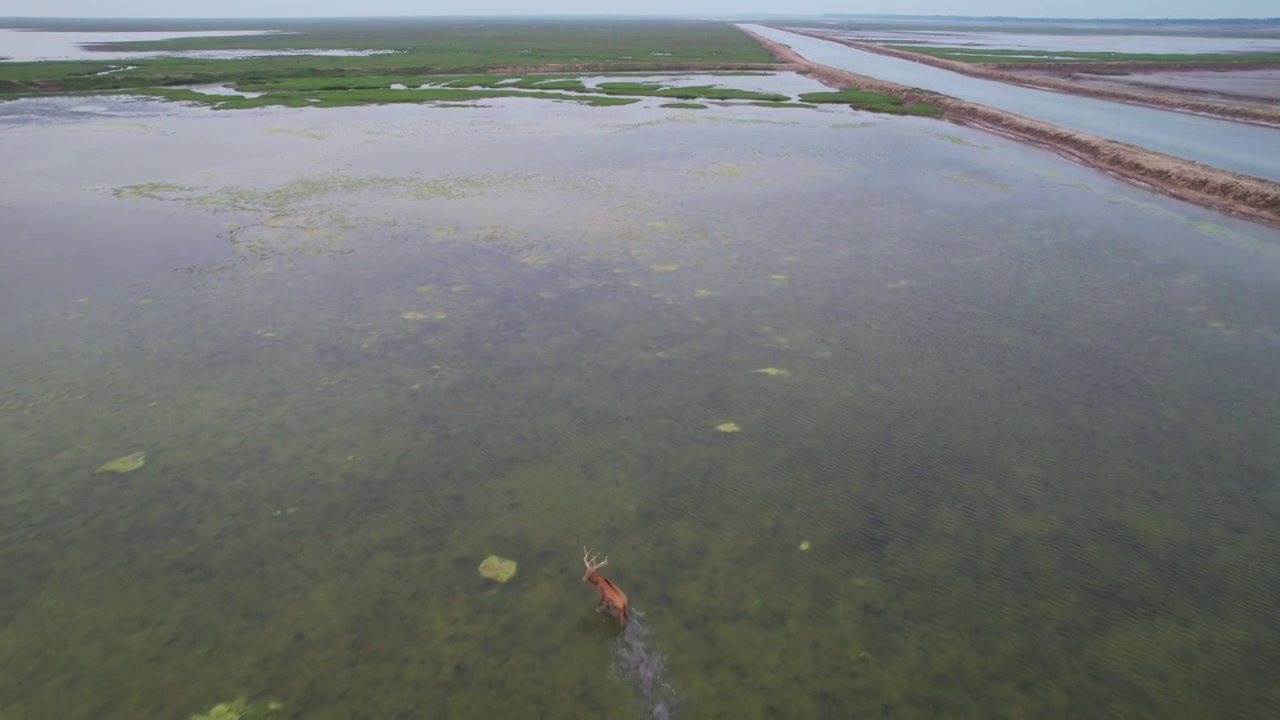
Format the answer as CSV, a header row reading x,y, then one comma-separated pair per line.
x,y
1269,117
1253,198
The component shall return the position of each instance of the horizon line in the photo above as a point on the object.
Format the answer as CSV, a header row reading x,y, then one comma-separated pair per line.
x,y
828,15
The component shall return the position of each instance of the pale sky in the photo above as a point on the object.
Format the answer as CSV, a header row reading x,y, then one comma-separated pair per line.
x,y
329,8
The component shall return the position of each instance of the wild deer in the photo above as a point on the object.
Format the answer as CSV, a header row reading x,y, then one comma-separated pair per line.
x,y
611,596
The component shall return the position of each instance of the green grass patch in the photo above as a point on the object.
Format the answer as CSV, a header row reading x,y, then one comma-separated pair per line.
x,y
684,106
444,87
695,92
464,47
388,89
494,41
348,98
368,82
709,92
479,80
629,88
543,84
995,55
784,105
872,102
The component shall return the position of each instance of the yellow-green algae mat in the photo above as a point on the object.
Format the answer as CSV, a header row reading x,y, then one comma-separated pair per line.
x,y
125,464
242,709
498,569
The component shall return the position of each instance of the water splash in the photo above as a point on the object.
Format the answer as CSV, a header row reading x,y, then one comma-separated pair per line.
x,y
638,663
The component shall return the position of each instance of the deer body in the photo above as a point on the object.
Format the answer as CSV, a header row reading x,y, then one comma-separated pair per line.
x,y
611,596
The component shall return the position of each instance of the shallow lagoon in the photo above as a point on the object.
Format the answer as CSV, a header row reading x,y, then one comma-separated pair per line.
x,y
32,45
1028,422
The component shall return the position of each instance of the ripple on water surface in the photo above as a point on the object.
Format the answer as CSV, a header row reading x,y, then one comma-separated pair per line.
x,y
872,417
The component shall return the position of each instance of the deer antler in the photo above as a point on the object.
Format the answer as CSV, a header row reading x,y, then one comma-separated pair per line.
x,y
590,561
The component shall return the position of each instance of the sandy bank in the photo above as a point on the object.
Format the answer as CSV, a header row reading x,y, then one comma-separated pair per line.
x,y
1194,182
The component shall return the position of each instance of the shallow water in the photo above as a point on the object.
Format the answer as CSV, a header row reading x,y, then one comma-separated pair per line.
x,y
784,83
1218,143
1025,418
1260,84
32,45
42,45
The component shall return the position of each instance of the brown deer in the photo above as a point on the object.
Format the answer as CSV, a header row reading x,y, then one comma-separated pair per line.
x,y
611,596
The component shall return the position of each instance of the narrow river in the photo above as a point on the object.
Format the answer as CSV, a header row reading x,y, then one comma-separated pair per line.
x,y
1248,149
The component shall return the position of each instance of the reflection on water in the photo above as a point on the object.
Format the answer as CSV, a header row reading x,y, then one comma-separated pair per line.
x,y
1021,419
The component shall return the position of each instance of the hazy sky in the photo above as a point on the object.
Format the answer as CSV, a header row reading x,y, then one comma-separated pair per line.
x,y
320,8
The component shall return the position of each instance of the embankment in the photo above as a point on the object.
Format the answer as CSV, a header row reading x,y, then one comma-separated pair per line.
x,y
1249,197
1269,117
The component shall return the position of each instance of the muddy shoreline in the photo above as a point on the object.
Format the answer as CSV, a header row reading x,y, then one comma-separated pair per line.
x,y
1268,117
652,68
1229,192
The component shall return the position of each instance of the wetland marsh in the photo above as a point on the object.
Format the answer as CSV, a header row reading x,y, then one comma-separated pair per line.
x,y
873,416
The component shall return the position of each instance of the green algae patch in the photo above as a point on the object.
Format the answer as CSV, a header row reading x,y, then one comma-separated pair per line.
x,y
953,139
125,464
773,371
309,217
242,709
151,191
279,200
497,569
684,106
793,105
721,170
309,133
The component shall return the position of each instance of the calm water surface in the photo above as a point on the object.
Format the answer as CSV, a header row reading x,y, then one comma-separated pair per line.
x,y
41,45
1025,418
32,45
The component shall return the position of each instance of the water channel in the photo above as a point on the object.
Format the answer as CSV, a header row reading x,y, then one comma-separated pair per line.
x,y
1223,144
